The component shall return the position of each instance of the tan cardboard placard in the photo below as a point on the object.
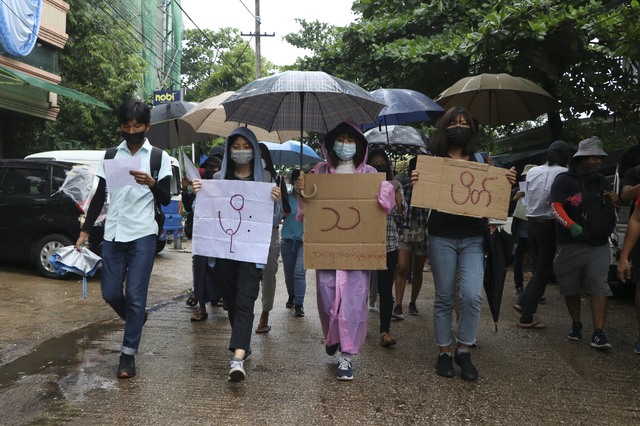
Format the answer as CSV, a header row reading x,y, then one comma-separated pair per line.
x,y
462,187
345,226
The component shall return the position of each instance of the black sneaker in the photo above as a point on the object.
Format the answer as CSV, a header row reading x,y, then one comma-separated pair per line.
x,y
289,303
299,311
331,350
444,366
127,367
599,340
576,331
519,291
469,372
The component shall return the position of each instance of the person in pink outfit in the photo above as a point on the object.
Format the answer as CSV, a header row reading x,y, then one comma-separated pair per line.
x,y
342,295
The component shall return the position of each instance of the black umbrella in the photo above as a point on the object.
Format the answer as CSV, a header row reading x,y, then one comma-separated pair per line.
x,y
167,131
399,140
498,246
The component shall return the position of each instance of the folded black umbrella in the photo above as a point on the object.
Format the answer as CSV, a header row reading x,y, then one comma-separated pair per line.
x,y
498,246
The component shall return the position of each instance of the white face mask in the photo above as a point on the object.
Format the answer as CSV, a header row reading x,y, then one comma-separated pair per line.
x,y
241,157
344,151
264,163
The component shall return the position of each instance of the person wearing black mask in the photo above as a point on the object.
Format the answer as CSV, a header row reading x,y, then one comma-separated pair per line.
x,y
584,207
456,241
130,229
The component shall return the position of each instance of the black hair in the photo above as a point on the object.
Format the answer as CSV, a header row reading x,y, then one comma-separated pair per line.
x,y
231,165
439,146
557,157
133,110
266,156
294,176
384,155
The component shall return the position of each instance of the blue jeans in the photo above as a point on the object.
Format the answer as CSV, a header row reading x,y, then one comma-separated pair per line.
x,y
132,261
445,255
294,273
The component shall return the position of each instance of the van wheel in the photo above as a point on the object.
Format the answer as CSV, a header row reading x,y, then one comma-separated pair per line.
x,y
44,249
160,245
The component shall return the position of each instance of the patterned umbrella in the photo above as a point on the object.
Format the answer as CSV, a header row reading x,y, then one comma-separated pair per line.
x,y
399,140
310,101
404,106
209,117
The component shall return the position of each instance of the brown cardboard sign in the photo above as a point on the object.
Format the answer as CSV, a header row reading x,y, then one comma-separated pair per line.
x,y
461,187
345,226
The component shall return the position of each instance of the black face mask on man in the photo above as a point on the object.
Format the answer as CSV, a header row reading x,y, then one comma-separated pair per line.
x,y
134,138
588,168
208,174
458,135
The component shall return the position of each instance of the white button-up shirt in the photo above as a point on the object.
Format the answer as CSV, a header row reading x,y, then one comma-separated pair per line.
x,y
539,181
130,214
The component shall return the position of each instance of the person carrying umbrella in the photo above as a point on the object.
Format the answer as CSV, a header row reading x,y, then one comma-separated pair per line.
x,y
240,281
130,230
456,241
342,295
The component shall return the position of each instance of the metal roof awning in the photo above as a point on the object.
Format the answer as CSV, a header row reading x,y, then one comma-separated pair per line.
x,y
13,77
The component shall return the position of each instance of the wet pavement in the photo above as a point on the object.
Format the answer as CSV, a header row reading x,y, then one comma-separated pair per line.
x,y
59,354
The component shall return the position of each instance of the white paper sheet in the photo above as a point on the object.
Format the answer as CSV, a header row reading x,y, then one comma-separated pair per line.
x,y
189,168
116,172
233,220
523,188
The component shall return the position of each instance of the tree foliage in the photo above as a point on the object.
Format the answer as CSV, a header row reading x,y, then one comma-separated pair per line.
x,y
209,71
585,54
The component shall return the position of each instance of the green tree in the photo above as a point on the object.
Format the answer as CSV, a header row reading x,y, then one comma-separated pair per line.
x,y
585,54
209,71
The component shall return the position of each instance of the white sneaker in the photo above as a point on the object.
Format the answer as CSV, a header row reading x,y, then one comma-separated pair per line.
x,y
345,370
236,372
372,307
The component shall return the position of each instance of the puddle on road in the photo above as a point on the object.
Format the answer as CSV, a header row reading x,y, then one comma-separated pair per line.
x,y
66,351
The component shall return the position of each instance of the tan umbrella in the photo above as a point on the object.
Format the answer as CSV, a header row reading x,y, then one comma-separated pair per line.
x,y
209,117
496,99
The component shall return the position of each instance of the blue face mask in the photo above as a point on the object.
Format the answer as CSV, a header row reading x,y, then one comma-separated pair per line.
x,y
344,151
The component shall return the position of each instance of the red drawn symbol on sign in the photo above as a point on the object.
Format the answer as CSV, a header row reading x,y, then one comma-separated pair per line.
x,y
237,205
335,225
473,193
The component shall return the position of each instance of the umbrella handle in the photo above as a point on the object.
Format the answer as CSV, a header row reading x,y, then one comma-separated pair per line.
x,y
315,191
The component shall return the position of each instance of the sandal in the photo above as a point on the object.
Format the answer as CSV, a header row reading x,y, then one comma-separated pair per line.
x,y
191,301
200,316
263,329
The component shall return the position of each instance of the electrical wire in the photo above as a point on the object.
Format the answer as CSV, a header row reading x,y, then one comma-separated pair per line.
x,y
254,16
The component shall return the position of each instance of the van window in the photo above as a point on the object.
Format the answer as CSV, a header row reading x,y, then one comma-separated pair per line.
x,y
25,181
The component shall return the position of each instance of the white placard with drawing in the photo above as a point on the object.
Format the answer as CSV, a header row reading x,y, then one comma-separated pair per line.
x,y
233,220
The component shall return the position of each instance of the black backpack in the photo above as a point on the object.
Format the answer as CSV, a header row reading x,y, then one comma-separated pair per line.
x,y
155,164
596,213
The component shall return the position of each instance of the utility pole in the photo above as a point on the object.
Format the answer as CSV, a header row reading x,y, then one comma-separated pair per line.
x,y
257,35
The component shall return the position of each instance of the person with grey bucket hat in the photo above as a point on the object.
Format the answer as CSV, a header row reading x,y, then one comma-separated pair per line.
x,y
584,207
541,231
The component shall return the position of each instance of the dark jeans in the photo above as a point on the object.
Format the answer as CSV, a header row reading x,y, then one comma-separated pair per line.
x,y
385,290
542,239
240,282
518,257
132,261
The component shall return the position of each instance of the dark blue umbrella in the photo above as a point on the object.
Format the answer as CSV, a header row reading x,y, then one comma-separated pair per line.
x,y
404,106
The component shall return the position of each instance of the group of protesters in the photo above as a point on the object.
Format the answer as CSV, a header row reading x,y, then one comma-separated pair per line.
x,y
570,206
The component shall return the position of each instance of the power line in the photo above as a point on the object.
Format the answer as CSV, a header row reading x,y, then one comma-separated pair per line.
x,y
254,16
242,77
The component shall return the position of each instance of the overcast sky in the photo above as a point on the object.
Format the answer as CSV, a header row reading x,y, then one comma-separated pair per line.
x,y
276,16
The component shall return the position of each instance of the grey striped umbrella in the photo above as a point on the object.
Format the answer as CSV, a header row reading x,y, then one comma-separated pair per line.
x,y
399,140
311,101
